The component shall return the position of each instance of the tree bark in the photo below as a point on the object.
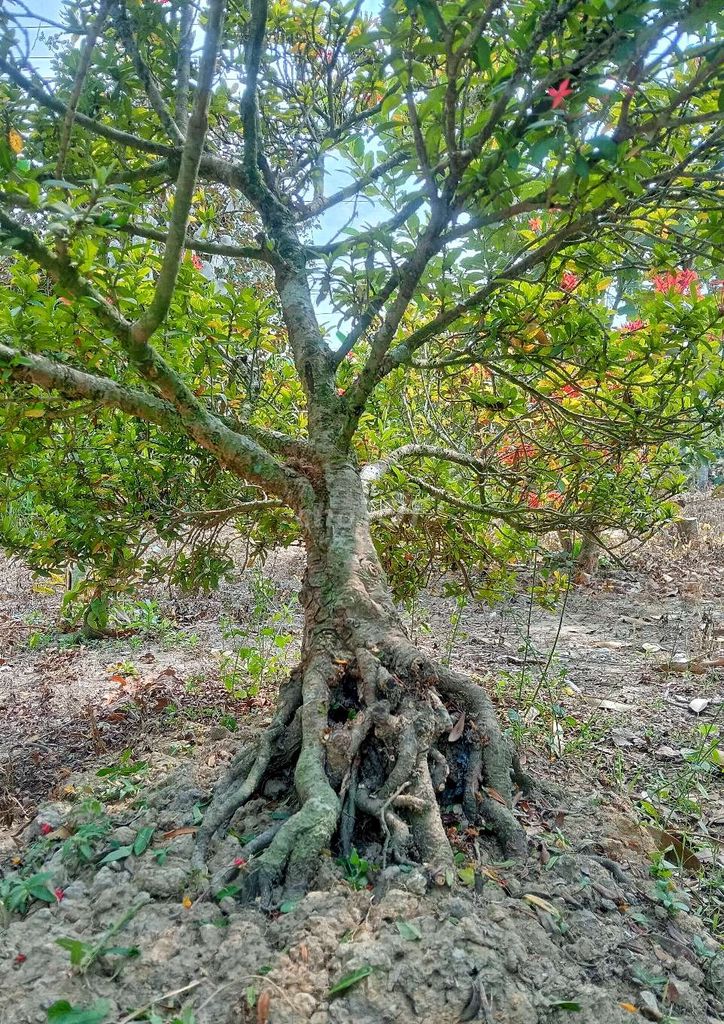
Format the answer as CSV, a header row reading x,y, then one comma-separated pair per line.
x,y
364,724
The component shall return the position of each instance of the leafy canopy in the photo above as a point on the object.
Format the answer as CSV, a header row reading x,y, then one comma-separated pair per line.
x,y
478,244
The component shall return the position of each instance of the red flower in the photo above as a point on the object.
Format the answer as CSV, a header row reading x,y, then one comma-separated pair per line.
x,y
45,829
196,261
559,93
555,496
632,326
340,391
570,391
514,454
569,281
532,500
535,223
239,862
679,281
59,894
20,959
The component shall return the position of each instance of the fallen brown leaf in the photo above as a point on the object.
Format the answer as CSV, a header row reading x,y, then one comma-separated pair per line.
x,y
262,1008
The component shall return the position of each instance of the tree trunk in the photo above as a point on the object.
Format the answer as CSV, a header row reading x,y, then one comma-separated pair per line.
x,y
365,721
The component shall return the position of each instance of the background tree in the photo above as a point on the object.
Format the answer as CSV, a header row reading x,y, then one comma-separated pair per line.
x,y
541,188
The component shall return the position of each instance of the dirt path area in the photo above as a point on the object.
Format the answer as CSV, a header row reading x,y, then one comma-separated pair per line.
x,y
615,697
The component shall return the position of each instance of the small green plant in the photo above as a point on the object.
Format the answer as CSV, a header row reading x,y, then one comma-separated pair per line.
x,y
262,653
455,633
356,870
84,954
120,778
17,893
669,897
80,847
146,619
63,1012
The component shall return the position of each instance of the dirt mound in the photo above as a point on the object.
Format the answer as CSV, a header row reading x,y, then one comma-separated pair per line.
x,y
571,934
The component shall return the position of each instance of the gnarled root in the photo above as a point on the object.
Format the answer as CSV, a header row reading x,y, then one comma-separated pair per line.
x,y
369,732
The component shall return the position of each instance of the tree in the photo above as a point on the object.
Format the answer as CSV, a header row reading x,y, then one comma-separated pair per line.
x,y
533,174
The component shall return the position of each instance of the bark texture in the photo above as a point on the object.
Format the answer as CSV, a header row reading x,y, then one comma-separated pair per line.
x,y
364,726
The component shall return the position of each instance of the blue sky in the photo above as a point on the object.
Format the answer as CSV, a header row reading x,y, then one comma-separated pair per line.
x,y
368,213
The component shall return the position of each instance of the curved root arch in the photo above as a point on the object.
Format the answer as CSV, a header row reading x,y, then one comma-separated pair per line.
x,y
368,734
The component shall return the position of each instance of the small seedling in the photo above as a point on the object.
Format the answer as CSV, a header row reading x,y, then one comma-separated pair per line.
x,y
16,893
356,870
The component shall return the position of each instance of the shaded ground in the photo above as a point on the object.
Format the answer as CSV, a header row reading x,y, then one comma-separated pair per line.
x,y
600,697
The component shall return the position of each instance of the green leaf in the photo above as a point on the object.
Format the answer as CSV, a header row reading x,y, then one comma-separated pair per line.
x,y
127,951
409,931
481,54
467,876
75,947
41,892
143,840
581,166
350,979
62,1012
288,906
566,1004
120,854
605,146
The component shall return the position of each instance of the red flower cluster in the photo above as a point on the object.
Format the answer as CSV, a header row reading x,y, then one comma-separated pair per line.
x,y
532,500
45,829
569,281
535,224
59,894
196,261
632,326
555,497
679,281
514,454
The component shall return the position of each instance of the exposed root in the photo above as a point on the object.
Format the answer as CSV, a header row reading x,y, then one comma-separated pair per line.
x,y
230,797
370,736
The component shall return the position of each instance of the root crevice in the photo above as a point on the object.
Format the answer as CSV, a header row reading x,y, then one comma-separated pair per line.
x,y
377,773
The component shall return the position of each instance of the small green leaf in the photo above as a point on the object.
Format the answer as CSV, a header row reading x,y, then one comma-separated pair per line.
x,y
566,1004
62,1012
409,931
350,979
41,892
127,951
481,54
467,876
120,854
143,840
75,947
605,146
288,906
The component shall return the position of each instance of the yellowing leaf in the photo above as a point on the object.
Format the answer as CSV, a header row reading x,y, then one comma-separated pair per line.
x,y
187,902
35,413
538,901
15,141
628,1007
603,284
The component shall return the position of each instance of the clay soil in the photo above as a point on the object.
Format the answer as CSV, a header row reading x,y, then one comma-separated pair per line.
x,y
614,696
